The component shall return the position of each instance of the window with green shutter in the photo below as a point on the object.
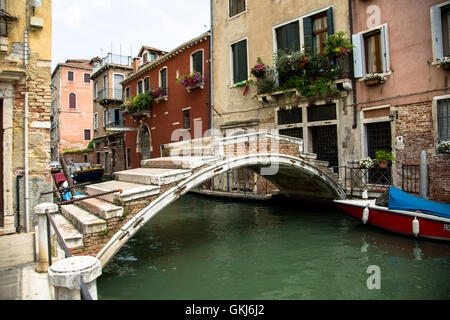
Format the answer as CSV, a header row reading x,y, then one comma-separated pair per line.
x,y
288,37
197,62
163,77
236,7
240,65
146,84
316,30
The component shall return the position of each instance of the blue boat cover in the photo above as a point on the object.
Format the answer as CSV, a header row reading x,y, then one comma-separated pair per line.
x,y
399,200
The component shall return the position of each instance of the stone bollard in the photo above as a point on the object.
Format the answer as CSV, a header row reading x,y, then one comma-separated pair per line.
x,y
65,277
42,254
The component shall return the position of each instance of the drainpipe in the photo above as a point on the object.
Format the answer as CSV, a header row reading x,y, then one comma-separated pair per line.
x,y
211,78
25,126
352,72
18,177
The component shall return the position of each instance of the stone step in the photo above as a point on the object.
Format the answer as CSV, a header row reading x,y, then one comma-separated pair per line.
x,y
187,163
152,176
131,191
83,220
101,208
72,237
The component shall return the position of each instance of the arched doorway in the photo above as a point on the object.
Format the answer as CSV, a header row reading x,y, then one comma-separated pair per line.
x,y
144,142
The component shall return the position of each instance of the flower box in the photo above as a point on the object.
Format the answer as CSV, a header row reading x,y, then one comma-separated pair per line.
x,y
444,147
372,82
200,85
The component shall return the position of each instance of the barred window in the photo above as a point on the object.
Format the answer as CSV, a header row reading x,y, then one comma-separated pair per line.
x,y
443,119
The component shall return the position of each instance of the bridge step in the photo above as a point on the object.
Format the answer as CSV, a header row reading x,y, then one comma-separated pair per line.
x,y
72,237
131,191
188,163
83,220
101,208
152,176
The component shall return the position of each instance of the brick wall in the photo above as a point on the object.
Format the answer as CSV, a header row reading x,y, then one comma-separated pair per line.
x,y
416,126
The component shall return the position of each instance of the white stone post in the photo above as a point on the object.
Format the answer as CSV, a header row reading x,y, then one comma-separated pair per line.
x,y
42,254
65,276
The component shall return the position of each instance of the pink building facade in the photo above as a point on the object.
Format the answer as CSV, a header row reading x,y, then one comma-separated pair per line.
x,y
408,109
72,106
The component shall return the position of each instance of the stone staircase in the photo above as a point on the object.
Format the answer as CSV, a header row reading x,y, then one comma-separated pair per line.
x,y
96,217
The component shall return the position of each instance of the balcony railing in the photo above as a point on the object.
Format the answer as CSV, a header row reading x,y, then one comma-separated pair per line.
x,y
115,124
113,59
109,94
5,18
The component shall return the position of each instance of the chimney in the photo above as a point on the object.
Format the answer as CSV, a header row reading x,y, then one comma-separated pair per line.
x,y
136,64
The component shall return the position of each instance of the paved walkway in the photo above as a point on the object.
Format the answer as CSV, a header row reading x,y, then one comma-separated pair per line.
x,y
18,280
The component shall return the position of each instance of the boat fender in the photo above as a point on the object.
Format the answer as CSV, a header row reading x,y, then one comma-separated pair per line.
x,y
365,215
415,226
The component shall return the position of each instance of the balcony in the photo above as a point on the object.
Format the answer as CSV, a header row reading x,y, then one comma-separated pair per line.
x,y
117,125
320,76
109,95
113,59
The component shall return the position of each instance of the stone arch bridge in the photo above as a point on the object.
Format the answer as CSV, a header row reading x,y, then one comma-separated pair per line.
x,y
101,226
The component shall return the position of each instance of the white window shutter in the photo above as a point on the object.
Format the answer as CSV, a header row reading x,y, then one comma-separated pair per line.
x,y
385,48
436,29
358,55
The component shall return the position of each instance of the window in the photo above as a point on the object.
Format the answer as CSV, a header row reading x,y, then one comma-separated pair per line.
x,y
98,158
197,62
72,101
288,37
70,76
186,119
105,117
163,78
145,57
87,78
322,112
87,134
316,29
95,121
440,24
139,87
443,119
147,84
116,117
153,56
127,92
95,90
236,7
290,116
239,58
371,52
292,132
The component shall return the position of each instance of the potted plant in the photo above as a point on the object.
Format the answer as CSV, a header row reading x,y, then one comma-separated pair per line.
x,y
445,62
192,81
365,163
259,69
372,79
158,94
443,147
383,157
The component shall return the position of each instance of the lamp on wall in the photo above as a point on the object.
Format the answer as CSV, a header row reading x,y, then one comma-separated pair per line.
x,y
35,3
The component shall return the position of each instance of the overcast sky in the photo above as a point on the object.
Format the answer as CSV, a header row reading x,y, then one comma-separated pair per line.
x,y
83,29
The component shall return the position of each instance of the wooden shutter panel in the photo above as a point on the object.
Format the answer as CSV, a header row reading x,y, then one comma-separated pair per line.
x,y
330,21
385,48
293,36
436,29
308,35
240,72
358,55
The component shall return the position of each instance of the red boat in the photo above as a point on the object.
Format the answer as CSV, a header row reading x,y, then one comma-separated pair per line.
x,y
406,215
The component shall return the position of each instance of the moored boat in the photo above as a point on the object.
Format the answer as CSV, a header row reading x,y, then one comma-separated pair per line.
x,y
88,175
405,214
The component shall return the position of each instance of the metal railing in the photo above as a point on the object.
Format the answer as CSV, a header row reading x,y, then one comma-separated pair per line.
x,y
109,94
357,179
117,123
411,178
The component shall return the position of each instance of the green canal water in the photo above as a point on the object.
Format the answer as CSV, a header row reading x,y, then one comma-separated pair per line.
x,y
210,249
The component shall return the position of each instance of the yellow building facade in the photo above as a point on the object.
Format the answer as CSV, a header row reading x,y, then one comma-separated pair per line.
x,y
25,100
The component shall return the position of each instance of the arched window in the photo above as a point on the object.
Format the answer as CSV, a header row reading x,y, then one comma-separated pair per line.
x,y
72,101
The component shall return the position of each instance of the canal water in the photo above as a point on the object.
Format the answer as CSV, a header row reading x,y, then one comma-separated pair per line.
x,y
210,249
